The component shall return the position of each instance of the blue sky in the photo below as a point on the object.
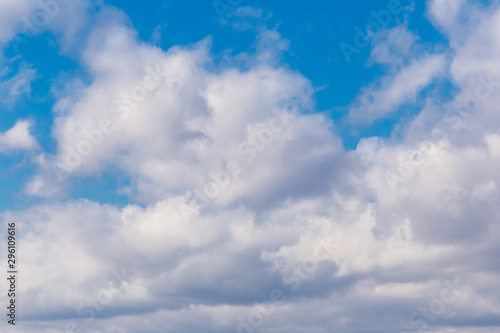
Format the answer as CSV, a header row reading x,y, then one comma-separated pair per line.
x,y
225,152
314,31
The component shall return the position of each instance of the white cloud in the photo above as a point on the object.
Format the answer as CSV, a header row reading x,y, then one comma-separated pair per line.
x,y
378,102
393,46
191,121
409,70
11,16
392,246
18,85
18,138
445,14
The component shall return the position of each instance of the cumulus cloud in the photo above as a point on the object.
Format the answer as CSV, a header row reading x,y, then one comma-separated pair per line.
x,y
18,138
240,190
170,123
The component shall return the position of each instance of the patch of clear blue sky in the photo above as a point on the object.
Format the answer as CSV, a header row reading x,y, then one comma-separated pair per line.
x,y
315,29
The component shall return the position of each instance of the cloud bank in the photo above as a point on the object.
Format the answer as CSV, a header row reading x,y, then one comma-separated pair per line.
x,y
246,212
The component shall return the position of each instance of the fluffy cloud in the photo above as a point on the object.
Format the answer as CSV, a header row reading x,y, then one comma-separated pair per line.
x,y
171,124
240,190
18,138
